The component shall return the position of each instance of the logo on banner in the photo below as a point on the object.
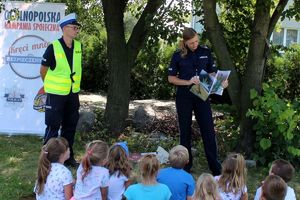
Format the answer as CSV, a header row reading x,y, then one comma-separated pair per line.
x,y
39,102
23,56
14,97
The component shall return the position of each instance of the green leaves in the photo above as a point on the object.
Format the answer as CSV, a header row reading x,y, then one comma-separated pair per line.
x,y
265,143
277,125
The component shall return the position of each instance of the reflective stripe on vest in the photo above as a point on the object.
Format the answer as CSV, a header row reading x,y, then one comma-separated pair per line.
x,y
59,81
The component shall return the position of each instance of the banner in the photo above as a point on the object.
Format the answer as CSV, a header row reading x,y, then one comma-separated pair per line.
x,y
23,41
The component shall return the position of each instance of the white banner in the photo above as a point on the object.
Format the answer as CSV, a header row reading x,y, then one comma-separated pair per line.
x,y
23,42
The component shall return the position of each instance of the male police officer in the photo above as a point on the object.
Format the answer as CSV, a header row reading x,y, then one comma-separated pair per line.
x,y
61,73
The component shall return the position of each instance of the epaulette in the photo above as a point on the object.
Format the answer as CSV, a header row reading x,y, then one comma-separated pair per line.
x,y
204,46
177,50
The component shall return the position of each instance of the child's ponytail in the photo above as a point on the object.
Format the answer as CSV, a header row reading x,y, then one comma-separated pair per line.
x,y
86,163
43,170
149,166
96,153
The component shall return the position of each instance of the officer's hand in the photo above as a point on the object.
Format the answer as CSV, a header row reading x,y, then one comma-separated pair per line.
x,y
225,83
194,80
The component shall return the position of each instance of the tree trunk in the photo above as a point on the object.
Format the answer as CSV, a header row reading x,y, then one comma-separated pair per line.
x,y
254,71
119,83
121,57
215,35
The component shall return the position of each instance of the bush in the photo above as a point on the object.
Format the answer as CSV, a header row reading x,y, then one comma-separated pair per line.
x,y
283,73
277,127
95,63
149,77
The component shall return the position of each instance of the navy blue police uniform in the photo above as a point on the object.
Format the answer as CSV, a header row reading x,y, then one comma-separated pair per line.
x,y
186,102
62,111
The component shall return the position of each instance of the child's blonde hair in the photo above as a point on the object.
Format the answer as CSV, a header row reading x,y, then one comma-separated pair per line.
x,y
96,152
274,188
50,153
149,166
179,156
233,177
118,161
206,188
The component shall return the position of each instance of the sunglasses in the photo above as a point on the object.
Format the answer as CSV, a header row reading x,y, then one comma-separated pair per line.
x,y
75,28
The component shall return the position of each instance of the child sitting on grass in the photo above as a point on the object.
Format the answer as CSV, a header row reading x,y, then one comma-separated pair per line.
x,y
206,188
285,170
274,188
92,176
54,180
119,170
232,181
180,182
149,188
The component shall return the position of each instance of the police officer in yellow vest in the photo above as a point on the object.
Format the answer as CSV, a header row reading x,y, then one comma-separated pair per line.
x,y
61,73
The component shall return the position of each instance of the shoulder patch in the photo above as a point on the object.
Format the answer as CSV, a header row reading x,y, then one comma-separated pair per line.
x,y
204,46
177,50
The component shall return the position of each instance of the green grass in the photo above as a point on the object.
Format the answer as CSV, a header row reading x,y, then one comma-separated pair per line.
x,y
19,155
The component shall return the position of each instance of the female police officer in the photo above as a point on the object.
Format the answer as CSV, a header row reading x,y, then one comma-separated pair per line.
x,y
184,70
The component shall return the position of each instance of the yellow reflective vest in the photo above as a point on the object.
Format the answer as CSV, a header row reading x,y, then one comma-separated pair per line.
x,y
58,81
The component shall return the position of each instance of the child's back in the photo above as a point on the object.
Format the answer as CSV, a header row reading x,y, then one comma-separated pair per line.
x,y
92,177
232,181
58,177
148,192
89,187
116,186
180,183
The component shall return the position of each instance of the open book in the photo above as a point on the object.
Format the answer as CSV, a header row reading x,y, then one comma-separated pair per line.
x,y
210,84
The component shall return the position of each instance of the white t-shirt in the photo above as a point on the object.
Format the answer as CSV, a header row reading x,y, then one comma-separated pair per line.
x,y
89,188
58,177
116,186
290,194
231,195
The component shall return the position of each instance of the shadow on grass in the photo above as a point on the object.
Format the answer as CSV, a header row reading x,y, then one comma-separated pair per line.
x,y
28,197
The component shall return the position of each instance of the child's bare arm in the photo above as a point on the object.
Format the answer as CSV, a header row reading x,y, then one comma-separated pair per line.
x,y
68,191
127,183
189,198
104,191
244,196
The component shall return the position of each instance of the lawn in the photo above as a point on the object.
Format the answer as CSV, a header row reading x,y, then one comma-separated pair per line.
x,y
19,155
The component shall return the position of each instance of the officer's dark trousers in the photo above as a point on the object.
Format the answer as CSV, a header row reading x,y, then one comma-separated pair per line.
x,y
186,103
62,112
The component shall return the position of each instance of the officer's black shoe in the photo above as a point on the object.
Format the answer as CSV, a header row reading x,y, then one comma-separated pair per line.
x,y
71,162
